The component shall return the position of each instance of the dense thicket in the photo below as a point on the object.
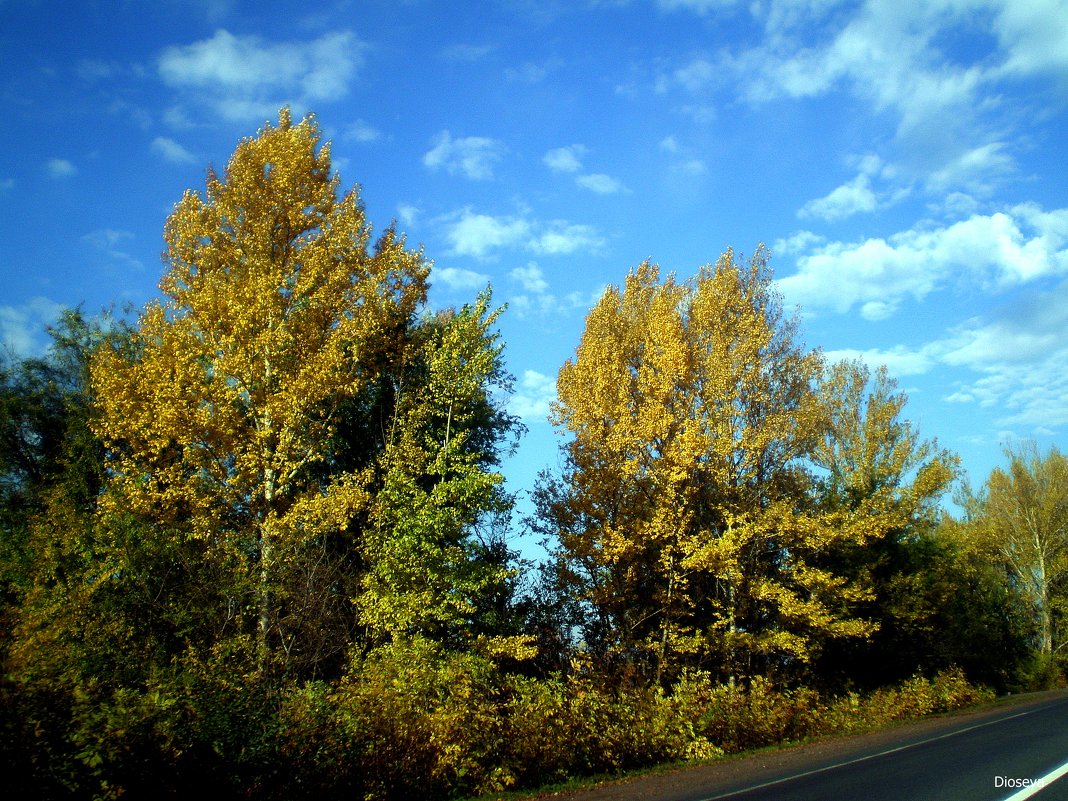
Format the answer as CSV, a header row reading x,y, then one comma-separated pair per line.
x,y
255,541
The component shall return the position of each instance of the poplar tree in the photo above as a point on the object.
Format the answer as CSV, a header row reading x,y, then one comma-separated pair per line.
x,y
277,312
684,511
1022,521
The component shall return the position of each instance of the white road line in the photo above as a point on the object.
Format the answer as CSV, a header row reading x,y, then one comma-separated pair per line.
x,y
884,753
1039,784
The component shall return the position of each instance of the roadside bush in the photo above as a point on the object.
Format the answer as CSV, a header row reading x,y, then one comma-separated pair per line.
x,y
914,698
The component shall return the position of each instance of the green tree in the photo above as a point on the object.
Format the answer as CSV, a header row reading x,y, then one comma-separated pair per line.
x,y
1022,520
431,552
873,466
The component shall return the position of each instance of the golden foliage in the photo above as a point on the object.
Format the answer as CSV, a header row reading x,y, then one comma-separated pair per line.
x,y
277,311
689,518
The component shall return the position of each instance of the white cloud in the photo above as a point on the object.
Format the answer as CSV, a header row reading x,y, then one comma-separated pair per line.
x,y
61,168
562,237
536,297
361,131
534,396
1034,36
899,360
479,235
697,75
1017,359
1021,357
797,242
976,169
901,59
172,151
845,201
240,77
407,213
458,278
565,159
108,242
472,156
999,250
600,183
471,234
531,278
22,328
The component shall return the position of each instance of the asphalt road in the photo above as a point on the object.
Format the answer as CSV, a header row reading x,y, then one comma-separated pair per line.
x,y
954,758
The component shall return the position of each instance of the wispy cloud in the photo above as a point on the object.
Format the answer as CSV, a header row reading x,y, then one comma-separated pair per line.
x,y
60,168
467,53
478,235
845,201
950,127
22,328
1014,361
472,156
109,243
171,151
536,295
361,131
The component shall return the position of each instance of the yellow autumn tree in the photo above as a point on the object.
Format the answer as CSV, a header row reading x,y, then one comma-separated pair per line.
x,y
278,310
683,515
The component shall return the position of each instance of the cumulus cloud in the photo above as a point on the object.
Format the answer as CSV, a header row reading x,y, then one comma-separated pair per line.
x,y
473,156
845,201
600,183
560,237
459,278
568,160
998,250
479,235
531,278
565,159
171,151
240,77
533,397
471,234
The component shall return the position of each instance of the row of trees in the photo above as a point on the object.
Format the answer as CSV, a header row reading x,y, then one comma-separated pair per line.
x,y
286,470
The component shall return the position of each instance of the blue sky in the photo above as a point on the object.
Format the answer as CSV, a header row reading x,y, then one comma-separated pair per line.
x,y
905,163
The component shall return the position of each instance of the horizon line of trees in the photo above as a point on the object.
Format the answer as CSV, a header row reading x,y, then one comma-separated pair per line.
x,y
282,482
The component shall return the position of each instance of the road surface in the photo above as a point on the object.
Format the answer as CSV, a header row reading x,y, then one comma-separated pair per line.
x,y
1016,750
